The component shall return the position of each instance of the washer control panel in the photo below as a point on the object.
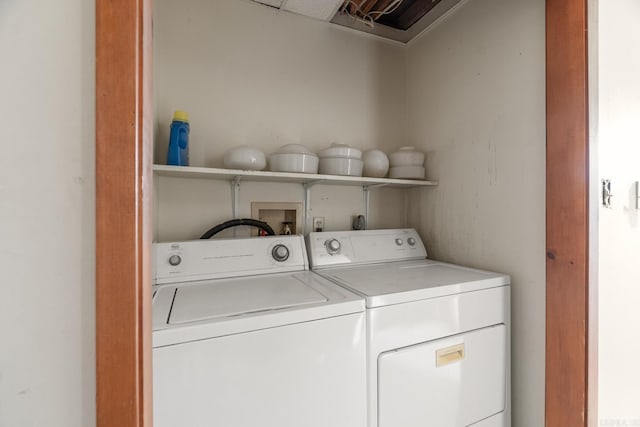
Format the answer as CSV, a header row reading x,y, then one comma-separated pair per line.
x,y
218,258
331,248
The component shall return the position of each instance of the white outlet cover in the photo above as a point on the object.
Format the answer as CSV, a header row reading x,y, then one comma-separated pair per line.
x,y
320,9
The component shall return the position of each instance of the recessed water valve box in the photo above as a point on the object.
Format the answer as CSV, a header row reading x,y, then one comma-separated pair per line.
x,y
283,217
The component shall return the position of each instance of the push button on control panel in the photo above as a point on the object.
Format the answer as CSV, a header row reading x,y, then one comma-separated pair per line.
x,y
175,260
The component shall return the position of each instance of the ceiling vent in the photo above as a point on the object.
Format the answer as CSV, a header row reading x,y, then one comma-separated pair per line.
x,y
318,9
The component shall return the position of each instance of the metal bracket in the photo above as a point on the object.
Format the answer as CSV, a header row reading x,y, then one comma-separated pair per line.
x,y
235,200
606,193
374,186
310,184
366,193
306,187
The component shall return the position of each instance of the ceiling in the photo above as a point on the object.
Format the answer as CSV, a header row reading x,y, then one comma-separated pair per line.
x,y
392,13
399,20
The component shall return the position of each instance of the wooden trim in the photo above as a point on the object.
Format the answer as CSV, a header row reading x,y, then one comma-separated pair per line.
x,y
567,214
123,225
594,206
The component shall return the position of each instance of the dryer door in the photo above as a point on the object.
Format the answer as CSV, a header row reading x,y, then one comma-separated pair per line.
x,y
451,382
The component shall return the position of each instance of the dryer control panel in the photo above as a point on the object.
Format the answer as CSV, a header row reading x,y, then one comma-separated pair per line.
x,y
333,248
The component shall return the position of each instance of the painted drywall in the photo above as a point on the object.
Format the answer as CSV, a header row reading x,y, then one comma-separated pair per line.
x,y
619,229
47,375
250,74
189,207
476,103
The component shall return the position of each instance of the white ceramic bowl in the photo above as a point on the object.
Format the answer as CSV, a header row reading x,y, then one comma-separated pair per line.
x,y
340,166
406,156
245,158
376,163
293,162
340,150
294,148
406,172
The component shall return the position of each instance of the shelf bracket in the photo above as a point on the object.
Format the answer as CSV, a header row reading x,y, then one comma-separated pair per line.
x,y
373,186
306,188
235,200
310,184
366,193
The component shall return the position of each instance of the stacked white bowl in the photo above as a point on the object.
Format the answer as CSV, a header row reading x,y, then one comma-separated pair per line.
x,y
244,158
294,158
340,159
407,163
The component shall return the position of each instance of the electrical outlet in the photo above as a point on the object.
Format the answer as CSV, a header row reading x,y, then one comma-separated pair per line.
x,y
318,223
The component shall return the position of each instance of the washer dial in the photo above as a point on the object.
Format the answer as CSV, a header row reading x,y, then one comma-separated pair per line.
x,y
280,253
175,260
333,246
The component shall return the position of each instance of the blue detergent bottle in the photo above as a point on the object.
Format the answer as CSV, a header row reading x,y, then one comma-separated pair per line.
x,y
178,153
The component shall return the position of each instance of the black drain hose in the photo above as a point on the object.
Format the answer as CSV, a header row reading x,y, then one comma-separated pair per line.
x,y
237,222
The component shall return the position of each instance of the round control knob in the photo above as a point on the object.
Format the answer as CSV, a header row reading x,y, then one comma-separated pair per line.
x,y
280,253
333,246
399,242
411,241
175,260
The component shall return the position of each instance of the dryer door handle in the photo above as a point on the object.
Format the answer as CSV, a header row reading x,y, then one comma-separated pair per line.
x,y
448,355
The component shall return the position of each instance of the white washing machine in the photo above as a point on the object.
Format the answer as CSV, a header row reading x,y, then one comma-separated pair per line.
x,y
244,335
438,335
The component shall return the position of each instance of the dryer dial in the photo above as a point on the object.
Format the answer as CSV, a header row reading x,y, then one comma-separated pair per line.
x,y
280,253
333,246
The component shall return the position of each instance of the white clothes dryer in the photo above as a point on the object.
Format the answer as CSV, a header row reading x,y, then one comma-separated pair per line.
x,y
438,335
244,335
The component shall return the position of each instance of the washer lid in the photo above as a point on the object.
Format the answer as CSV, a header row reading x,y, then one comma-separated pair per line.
x,y
232,298
191,311
399,282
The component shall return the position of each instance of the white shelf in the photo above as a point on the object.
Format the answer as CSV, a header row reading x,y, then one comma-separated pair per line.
x,y
300,178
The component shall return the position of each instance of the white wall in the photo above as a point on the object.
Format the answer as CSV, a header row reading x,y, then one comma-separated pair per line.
x,y
47,375
477,106
619,236
250,74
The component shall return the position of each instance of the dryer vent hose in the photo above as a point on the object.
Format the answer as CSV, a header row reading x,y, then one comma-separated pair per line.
x,y
238,222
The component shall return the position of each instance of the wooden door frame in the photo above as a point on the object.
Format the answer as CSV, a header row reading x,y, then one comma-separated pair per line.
x,y
123,220
567,285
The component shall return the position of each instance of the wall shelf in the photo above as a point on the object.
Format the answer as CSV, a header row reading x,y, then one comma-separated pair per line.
x,y
234,177
299,178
